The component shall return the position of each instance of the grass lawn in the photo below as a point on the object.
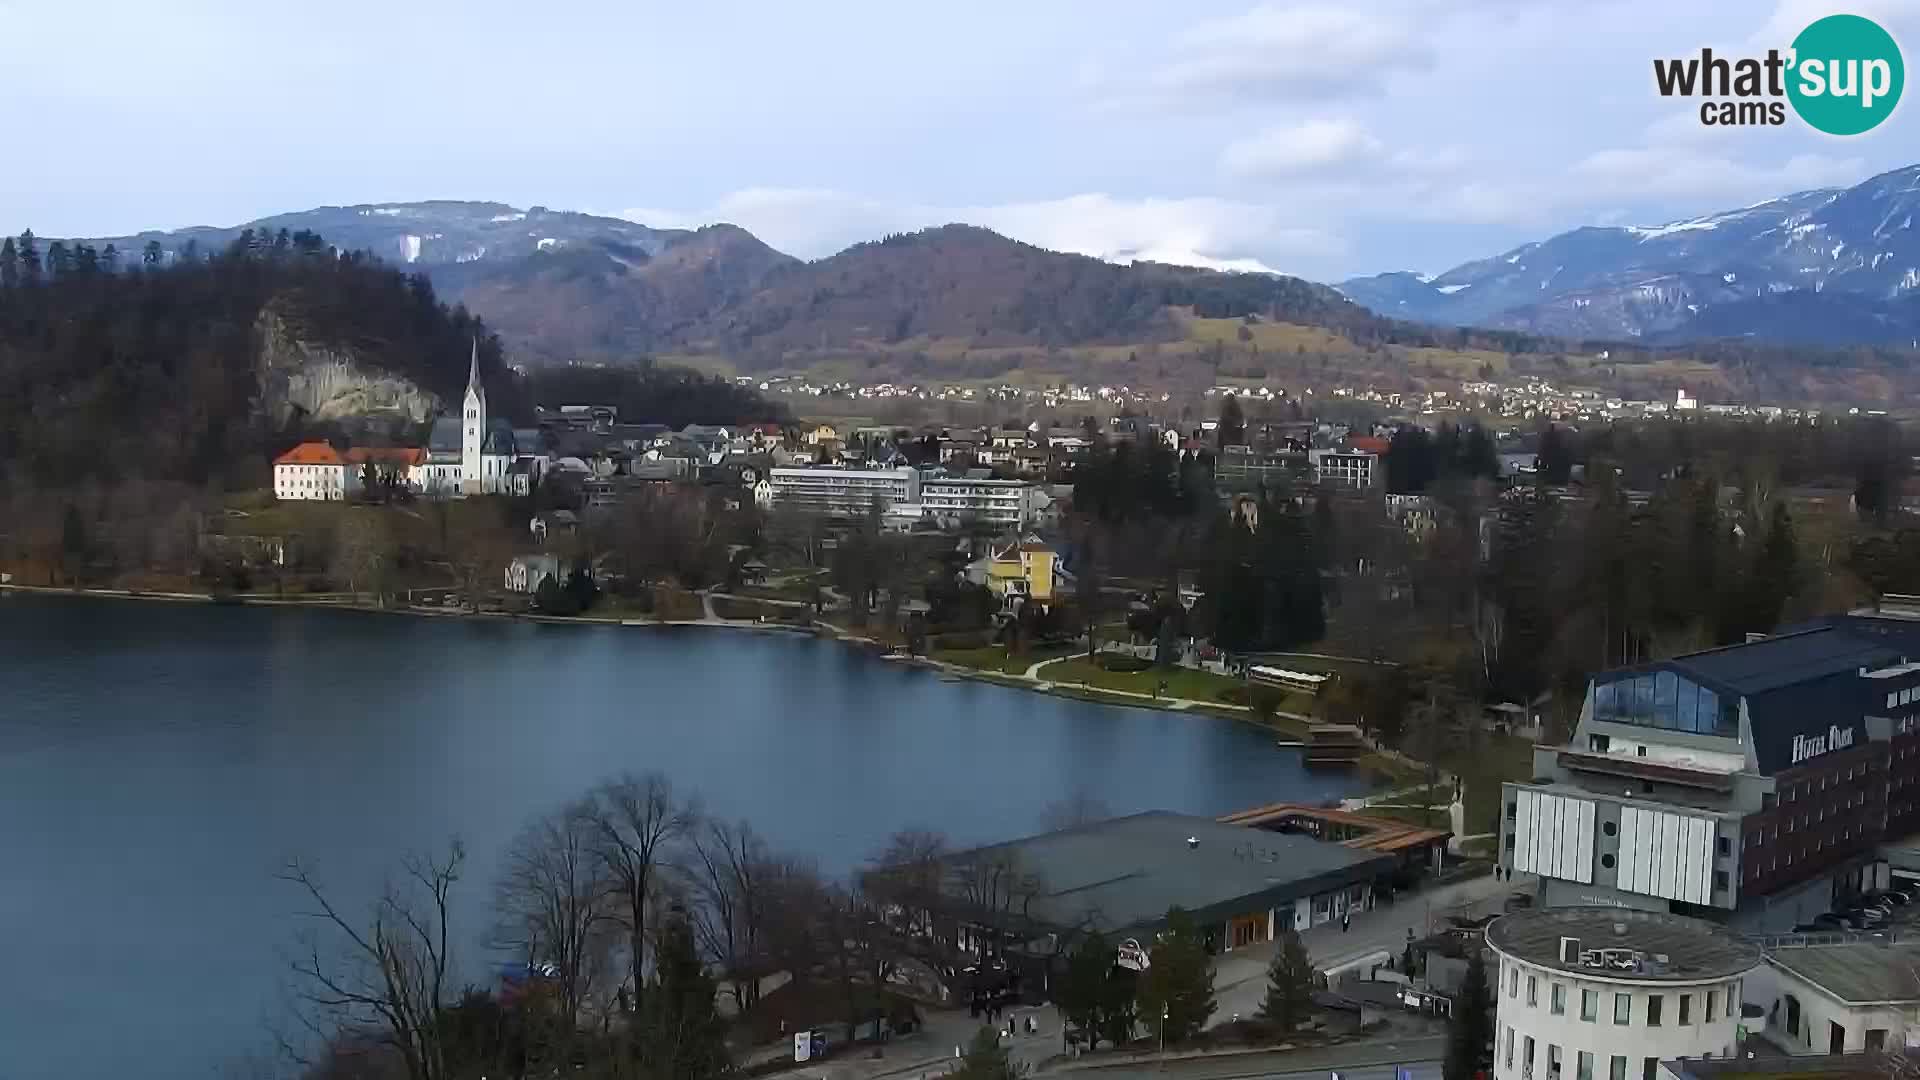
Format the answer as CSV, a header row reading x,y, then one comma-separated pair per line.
x,y
996,657
1495,759
1181,682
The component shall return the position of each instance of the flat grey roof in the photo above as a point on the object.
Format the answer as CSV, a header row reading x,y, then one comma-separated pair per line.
x,y
1856,974
1695,950
1126,872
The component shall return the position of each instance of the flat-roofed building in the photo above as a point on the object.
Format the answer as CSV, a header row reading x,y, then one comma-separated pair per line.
x,y
843,492
1751,783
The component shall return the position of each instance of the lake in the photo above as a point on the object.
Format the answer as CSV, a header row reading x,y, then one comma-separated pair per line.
x,y
158,762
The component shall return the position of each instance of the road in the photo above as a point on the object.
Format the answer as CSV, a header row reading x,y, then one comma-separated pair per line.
x,y
1240,976
1362,1061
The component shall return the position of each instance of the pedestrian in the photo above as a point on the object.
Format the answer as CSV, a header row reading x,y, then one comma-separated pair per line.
x,y
1346,921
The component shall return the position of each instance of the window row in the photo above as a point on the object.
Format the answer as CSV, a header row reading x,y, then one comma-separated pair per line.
x,y
1653,1012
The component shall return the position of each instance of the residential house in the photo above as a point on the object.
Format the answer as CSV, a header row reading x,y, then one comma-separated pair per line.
x,y
821,435
526,572
1023,572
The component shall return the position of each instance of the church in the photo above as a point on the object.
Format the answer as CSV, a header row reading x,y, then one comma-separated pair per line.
x,y
475,453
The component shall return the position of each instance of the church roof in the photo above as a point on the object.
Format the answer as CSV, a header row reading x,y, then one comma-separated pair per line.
x,y
499,439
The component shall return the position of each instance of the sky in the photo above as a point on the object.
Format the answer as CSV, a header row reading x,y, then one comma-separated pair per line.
x,y
1325,139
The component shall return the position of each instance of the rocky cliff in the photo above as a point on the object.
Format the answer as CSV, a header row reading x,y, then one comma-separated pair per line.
x,y
298,377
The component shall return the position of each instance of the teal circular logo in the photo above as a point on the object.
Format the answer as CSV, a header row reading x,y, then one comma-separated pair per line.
x,y
1846,75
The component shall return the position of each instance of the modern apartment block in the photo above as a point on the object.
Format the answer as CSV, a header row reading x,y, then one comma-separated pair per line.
x,y
843,492
1751,784
1000,502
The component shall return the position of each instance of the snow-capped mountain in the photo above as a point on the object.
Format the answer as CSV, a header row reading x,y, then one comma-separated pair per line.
x,y
430,234
1694,278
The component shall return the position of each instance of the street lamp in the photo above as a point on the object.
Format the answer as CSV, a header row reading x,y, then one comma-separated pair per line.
x,y
1166,1011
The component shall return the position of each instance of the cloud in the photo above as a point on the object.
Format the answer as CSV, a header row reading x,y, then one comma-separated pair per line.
x,y
1309,148
1334,150
1286,52
1211,232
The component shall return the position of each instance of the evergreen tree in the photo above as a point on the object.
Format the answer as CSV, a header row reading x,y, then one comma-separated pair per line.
x,y
9,264
1175,993
986,1059
150,255
1289,985
1470,1032
1083,990
1233,423
29,257
681,1035
1555,459
110,258
1775,573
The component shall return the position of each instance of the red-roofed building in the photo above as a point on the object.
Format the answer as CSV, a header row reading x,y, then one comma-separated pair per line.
x,y
312,470
1372,444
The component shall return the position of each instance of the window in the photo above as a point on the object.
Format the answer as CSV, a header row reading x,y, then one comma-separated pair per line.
x,y
1686,1007
1589,1005
1719,882
1559,1005
1726,845
1509,1051
1609,828
1553,1060
1713,1001
1623,1008
1649,1068
1876,1038
1617,1069
1653,1010
1533,992
1583,1067
1526,1055
1513,982
1606,861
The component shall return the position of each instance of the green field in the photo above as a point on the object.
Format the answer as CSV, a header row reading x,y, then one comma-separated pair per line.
x,y
996,657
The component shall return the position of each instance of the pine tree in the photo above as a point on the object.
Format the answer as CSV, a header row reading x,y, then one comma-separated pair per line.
x,y
986,1059
1470,1033
681,1036
1233,423
1289,985
9,264
29,257
1083,990
1176,992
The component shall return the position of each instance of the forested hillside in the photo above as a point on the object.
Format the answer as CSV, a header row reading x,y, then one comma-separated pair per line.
x,y
114,370
120,368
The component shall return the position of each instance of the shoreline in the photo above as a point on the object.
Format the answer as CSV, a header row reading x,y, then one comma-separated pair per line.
x,y
816,629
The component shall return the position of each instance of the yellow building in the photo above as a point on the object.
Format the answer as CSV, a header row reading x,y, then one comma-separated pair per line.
x,y
1024,571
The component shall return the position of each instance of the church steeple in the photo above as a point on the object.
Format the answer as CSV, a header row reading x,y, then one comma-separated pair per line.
x,y
473,429
473,367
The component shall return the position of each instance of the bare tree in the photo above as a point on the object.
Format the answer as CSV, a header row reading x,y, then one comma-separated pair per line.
x,y
992,889
552,903
363,552
731,883
384,979
1489,634
637,821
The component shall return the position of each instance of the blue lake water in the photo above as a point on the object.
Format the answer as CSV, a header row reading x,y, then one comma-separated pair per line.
x,y
158,762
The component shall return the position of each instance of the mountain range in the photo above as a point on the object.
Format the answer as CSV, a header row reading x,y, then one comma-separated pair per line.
x,y
1835,266
1817,271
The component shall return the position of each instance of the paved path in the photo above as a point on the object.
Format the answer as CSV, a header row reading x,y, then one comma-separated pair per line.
x,y
1374,1059
1240,976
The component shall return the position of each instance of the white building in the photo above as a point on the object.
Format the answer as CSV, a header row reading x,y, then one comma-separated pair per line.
x,y
846,492
1345,468
313,470
1683,403
1000,502
486,450
1840,998
1607,994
